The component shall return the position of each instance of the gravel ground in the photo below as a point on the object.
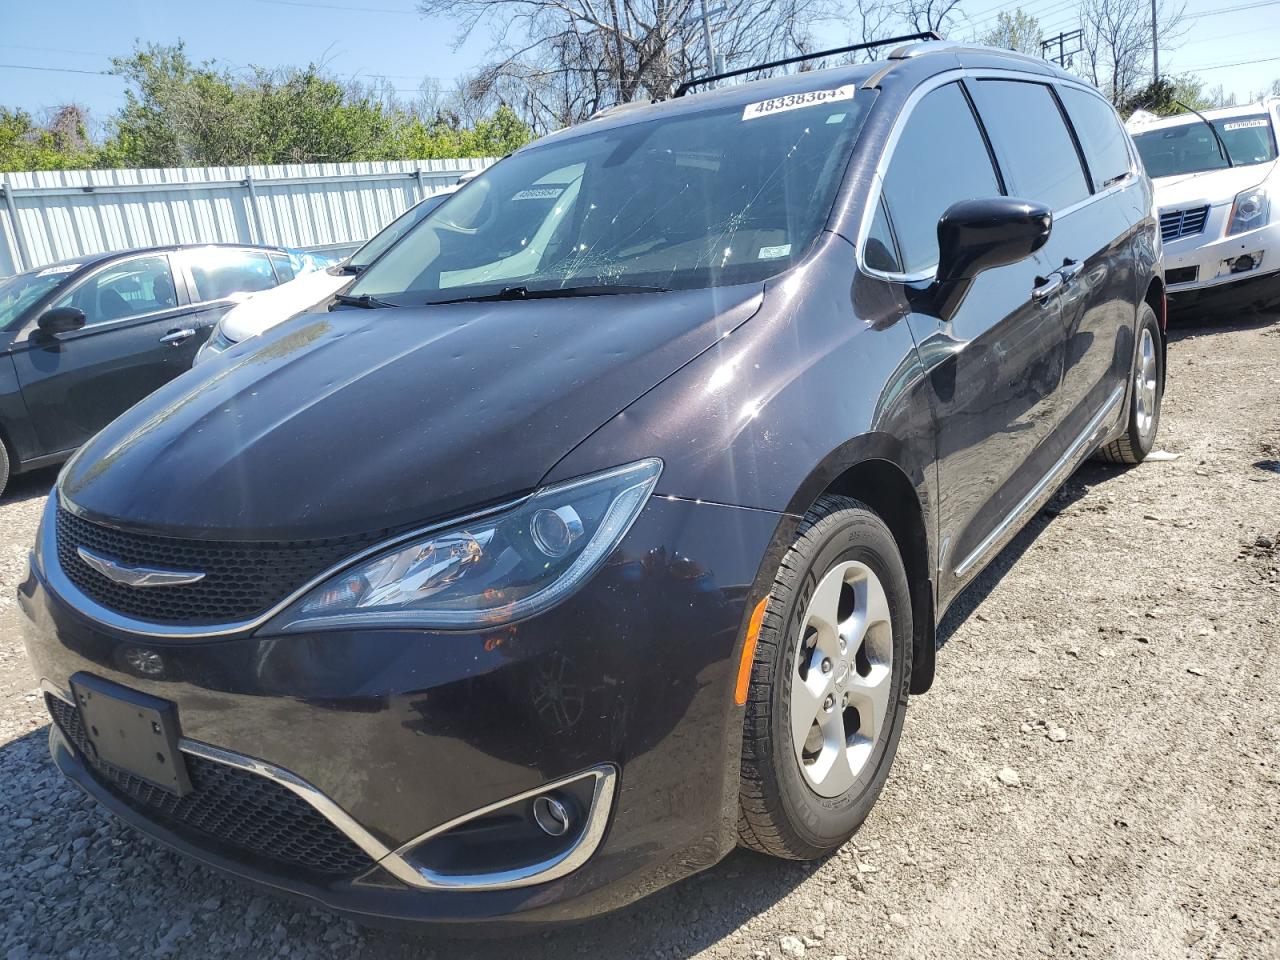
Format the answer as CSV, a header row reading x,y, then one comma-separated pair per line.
x,y
1094,774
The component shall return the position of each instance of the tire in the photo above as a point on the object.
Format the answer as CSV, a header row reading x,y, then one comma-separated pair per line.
x,y
4,467
788,808
1146,390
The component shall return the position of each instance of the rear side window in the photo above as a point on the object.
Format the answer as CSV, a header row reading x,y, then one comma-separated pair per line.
x,y
1105,144
1032,142
940,158
284,267
220,273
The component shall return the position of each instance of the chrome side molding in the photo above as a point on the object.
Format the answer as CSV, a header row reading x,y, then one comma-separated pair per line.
x,y
1080,447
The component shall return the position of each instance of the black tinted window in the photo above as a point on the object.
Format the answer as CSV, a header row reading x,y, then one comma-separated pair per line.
x,y
1032,143
1105,144
127,289
940,159
220,273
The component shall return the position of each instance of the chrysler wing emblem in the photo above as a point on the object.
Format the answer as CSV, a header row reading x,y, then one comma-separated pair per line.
x,y
137,576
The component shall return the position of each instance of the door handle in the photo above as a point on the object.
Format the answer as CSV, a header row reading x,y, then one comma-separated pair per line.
x,y
1046,287
175,337
1069,270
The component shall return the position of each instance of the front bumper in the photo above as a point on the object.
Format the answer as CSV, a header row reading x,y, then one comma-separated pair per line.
x,y
402,731
1209,260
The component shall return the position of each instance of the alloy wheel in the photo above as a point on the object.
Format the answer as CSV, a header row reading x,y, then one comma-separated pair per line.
x,y
1144,384
842,681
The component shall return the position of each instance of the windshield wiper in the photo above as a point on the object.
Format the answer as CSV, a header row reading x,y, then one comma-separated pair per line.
x,y
350,269
366,300
1222,147
548,293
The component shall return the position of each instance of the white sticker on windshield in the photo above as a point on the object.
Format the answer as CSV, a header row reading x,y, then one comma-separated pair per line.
x,y
538,193
52,271
772,253
1241,124
794,101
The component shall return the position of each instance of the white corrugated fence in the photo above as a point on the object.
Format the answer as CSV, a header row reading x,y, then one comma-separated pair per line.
x,y
62,214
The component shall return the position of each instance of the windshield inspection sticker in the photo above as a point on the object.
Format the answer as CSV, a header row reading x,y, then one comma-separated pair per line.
x,y
772,253
538,193
1241,124
794,101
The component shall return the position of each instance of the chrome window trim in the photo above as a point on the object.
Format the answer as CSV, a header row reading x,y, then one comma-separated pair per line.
x,y
1070,458
57,581
926,87
396,862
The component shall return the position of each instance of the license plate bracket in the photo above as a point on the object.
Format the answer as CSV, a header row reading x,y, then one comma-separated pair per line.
x,y
133,731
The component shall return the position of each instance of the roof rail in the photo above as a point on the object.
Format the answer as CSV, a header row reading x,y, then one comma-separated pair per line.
x,y
710,78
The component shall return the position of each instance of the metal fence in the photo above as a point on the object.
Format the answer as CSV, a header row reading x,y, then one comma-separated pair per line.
x,y
60,215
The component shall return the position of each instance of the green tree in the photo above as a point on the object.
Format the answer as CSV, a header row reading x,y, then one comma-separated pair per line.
x,y
26,145
1018,31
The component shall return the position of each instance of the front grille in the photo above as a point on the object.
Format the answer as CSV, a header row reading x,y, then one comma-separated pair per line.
x,y
1181,275
238,808
1182,223
242,579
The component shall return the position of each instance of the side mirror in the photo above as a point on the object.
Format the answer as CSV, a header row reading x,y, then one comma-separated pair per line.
x,y
61,320
978,235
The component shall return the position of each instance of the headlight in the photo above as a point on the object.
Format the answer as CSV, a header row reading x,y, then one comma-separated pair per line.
x,y
218,340
1249,211
493,570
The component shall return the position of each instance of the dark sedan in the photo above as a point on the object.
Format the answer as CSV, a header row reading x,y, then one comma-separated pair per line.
x,y
83,340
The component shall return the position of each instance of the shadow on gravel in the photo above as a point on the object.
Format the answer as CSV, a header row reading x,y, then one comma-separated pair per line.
x,y
1077,485
28,486
1189,326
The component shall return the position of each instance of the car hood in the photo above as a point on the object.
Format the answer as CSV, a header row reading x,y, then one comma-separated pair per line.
x,y
264,310
1213,187
358,421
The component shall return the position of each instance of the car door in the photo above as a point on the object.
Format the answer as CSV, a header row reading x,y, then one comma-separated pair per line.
x,y
74,383
1089,251
994,367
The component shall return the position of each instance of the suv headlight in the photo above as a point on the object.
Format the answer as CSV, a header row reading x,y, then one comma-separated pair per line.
x,y
1250,210
493,570
218,340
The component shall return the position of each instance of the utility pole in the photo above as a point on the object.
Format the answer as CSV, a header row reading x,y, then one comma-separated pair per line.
x,y
711,53
1155,44
1069,43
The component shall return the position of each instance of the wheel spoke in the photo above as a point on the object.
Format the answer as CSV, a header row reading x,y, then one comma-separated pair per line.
x,y
807,698
824,605
870,694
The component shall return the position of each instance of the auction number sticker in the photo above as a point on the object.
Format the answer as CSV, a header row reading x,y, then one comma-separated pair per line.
x,y
54,271
1242,124
794,101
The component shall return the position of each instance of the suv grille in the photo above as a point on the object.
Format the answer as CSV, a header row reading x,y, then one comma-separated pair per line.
x,y
242,579
241,809
1182,223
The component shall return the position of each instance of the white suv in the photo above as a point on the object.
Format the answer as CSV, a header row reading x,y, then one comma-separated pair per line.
x,y
1215,177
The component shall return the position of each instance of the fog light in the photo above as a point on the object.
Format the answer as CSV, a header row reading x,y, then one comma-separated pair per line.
x,y
551,816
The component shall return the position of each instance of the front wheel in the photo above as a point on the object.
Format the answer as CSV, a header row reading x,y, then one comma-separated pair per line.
x,y
1146,393
829,683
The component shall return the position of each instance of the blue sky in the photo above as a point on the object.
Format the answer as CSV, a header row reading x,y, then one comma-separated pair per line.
x,y
1232,42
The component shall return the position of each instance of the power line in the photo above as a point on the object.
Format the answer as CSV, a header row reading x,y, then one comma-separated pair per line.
x,y
1238,63
24,66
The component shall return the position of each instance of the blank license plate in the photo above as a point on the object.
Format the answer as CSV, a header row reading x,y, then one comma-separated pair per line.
x,y
134,731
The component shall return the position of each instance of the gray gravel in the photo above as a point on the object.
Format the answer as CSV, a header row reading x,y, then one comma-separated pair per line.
x,y
1096,772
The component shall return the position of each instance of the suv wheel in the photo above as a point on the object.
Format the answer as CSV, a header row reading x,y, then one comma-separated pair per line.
x,y
829,684
1146,392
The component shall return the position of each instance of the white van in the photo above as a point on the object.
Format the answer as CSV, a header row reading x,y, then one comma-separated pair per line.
x,y
1215,176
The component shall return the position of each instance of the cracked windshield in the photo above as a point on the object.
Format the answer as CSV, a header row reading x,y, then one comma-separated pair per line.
x,y
703,200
